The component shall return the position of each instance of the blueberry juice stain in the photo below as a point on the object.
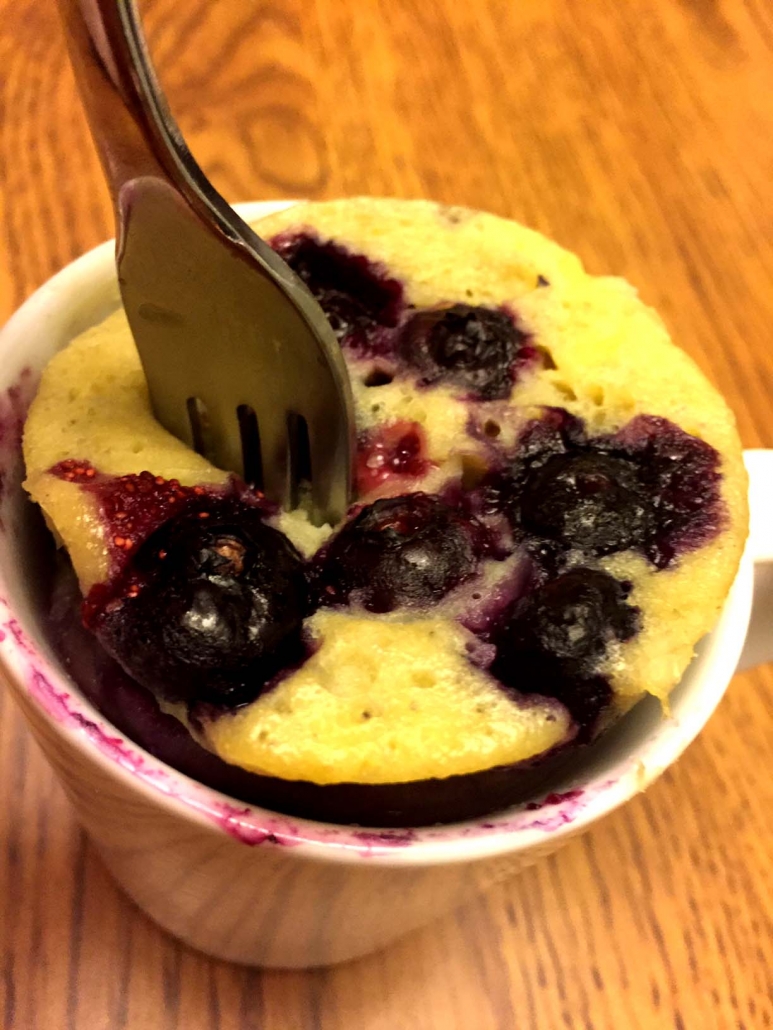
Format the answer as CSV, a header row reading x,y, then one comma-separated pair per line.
x,y
362,302
387,453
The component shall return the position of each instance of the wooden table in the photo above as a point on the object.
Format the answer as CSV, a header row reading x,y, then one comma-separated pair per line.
x,y
639,134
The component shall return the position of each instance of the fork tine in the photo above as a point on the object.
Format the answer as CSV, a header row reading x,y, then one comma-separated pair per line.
x,y
252,459
300,455
328,450
223,439
275,455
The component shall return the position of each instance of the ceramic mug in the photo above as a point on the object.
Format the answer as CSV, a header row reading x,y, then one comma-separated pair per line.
x,y
245,884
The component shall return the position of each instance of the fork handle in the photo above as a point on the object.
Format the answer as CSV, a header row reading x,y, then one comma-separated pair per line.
x,y
109,58
135,133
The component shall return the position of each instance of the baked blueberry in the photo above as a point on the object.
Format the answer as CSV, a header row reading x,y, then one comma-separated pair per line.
x,y
399,552
557,635
472,347
212,607
594,502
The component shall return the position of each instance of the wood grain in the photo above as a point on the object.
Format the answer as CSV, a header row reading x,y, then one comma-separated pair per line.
x,y
640,135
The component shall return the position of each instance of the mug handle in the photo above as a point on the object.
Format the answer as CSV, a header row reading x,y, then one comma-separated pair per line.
x,y
759,637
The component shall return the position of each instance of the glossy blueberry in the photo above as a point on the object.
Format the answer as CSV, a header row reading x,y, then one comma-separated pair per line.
x,y
472,347
405,551
557,635
215,607
594,502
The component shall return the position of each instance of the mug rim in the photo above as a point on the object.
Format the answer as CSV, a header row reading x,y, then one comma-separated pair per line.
x,y
38,678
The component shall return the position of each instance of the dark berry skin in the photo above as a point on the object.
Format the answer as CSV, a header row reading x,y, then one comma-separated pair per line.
x,y
556,636
594,502
214,609
398,552
472,347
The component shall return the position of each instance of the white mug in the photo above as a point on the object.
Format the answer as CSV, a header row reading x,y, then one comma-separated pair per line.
x,y
245,884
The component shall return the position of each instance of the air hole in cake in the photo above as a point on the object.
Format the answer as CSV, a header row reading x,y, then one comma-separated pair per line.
x,y
492,428
378,377
548,363
565,390
595,394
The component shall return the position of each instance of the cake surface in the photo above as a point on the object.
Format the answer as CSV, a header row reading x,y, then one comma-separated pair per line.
x,y
551,510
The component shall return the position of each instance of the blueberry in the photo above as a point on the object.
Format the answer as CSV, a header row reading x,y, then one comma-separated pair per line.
x,y
405,551
594,502
557,635
357,295
472,347
215,609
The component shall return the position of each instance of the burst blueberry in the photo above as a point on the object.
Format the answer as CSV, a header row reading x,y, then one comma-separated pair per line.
x,y
650,486
359,298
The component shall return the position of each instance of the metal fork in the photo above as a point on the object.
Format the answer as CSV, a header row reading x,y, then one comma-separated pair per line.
x,y
240,360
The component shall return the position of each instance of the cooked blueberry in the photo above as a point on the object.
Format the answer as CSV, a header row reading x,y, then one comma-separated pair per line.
x,y
593,502
558,634
400,552
472,347
215,609
357,295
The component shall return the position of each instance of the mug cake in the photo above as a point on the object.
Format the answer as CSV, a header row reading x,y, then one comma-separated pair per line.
x,y
550,509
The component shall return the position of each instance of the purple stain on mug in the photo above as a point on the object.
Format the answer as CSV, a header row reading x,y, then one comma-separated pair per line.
x,y
14,403
256,828
554,799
